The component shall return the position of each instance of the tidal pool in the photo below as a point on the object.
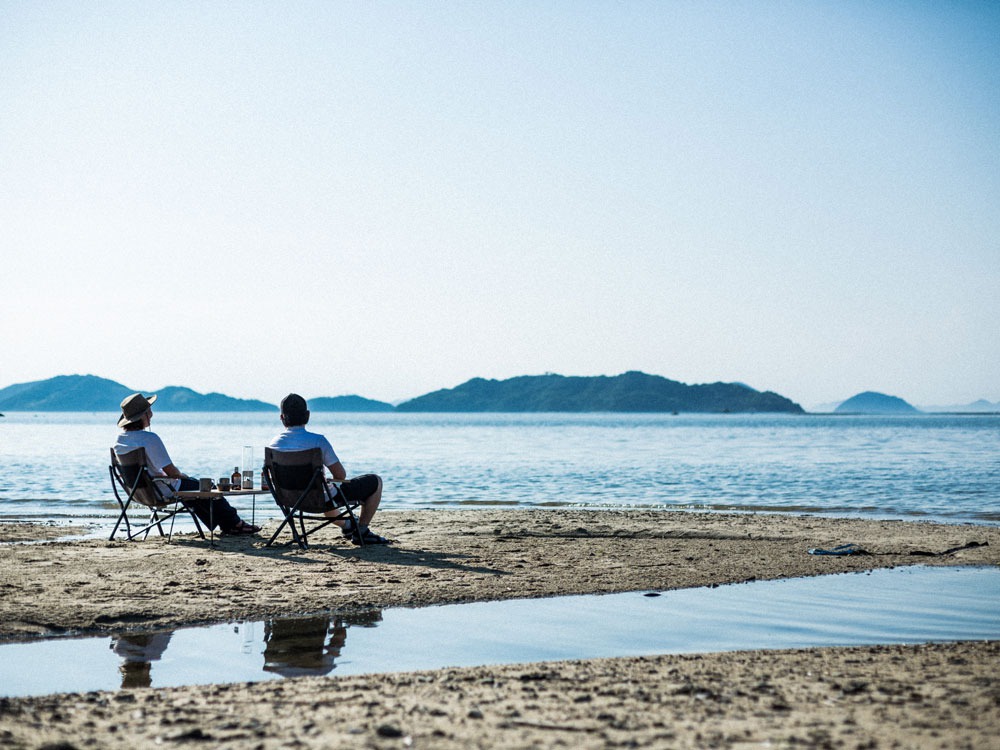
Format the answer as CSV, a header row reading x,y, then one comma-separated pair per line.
x,y
904,605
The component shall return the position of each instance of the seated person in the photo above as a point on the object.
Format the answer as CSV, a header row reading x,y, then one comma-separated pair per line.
x,y
137,412
366,489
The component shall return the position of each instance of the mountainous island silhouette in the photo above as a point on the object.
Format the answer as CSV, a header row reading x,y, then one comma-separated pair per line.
x,y
870,402
628,392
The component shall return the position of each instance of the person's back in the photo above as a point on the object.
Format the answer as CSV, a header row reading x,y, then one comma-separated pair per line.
x,y
134,433
298,438
365,489
137,413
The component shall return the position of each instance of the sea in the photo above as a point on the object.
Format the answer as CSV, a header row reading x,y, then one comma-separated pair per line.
x,y
937,467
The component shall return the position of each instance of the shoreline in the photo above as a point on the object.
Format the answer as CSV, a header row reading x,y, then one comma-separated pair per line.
x,y
931,695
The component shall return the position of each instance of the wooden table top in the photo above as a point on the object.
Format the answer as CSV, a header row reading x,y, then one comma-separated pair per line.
x,y
193,494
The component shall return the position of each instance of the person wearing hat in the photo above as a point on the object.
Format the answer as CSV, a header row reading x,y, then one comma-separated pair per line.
x,y
366,489
137,412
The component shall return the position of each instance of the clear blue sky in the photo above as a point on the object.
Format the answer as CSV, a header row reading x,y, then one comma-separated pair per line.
x,y
386,198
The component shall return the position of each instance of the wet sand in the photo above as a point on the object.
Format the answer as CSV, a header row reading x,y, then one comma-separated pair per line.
x,y
921,696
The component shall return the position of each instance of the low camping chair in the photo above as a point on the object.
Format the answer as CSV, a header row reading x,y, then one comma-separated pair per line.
x,y
298,486
130,477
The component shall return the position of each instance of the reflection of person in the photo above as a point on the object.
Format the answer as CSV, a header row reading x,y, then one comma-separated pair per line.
x,y
138,651
366,489
137,412
298,646
295,646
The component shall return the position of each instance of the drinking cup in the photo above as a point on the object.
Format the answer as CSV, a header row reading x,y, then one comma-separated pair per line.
x,y
224,484
205,484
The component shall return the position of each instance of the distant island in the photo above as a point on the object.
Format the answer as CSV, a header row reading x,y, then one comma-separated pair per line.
x,y
629,392
91,393
77,393
870,402
982,406
347,403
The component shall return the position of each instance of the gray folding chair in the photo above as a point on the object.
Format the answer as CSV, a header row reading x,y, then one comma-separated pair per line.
x,y
300,490
130,477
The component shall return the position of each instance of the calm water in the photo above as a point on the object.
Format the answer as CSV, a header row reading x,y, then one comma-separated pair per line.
x,y
940,467
907,605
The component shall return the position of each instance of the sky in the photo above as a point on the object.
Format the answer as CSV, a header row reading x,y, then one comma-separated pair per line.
x,y
388,198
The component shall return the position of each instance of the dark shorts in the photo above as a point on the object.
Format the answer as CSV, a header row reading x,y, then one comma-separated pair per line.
x,y
359,489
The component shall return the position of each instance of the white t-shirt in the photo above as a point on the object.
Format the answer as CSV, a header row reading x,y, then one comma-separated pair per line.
x,y
300,439
156,452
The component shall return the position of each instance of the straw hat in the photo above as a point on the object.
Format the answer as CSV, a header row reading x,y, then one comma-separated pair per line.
x,y
133,407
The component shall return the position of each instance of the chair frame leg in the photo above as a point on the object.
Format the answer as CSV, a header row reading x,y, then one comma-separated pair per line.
x,y
293,514
155,518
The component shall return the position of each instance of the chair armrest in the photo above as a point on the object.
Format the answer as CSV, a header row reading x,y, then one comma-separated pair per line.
x,y
167,491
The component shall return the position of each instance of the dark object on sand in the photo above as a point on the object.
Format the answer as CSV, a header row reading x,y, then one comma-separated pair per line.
x,y
843,549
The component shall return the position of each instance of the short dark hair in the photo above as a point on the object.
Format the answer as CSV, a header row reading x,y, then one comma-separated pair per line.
x,y
294,410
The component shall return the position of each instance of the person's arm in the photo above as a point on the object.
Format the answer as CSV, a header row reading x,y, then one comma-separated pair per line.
x,y
173,472
338,471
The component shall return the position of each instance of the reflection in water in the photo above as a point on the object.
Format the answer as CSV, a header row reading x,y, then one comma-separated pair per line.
x,y
904,605
293,646
138,651
299,646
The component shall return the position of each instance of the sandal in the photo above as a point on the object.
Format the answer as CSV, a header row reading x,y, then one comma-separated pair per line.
x,y
368,537
243,529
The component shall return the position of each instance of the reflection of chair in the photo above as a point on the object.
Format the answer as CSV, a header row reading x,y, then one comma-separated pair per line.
x,y
130,475
138,651
298,646
303,494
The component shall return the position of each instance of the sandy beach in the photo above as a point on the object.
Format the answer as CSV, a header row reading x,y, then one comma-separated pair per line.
x,y
920,696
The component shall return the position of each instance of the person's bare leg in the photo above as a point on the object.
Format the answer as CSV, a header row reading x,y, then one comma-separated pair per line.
x,y
370,505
